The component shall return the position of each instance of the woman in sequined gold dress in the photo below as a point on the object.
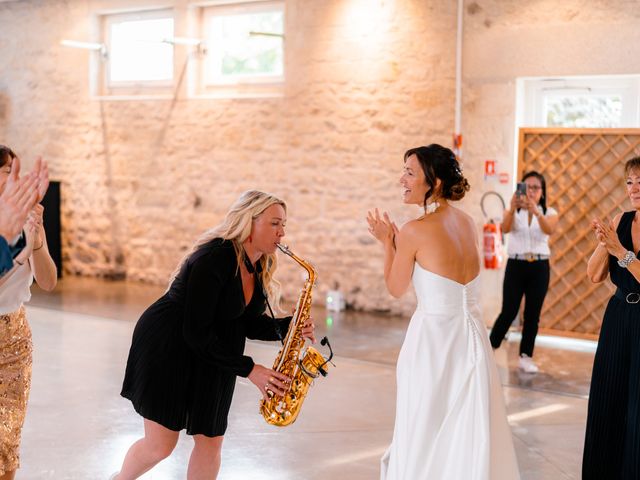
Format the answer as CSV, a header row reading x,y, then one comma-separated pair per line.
x,y
33,261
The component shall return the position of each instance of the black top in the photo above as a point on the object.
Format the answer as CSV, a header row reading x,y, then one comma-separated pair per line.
x,y
188,347
622,277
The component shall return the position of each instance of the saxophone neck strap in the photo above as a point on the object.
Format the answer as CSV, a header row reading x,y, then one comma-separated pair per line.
x,y
276,324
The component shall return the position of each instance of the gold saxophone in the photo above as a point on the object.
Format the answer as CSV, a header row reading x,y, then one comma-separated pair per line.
x,y
301,369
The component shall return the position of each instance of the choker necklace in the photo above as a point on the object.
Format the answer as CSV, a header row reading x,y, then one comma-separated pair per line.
x,y
250,267
248,264
431,207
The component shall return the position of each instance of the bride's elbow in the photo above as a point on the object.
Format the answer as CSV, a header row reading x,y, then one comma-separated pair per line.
x,y
395,291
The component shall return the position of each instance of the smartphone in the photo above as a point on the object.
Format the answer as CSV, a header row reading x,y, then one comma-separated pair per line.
x,y
521,189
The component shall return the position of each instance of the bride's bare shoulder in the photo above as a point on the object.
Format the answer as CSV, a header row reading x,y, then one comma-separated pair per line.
x,y
415,231
419,224
412,227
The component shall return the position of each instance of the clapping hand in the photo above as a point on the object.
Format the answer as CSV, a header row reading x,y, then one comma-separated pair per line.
x,y
382,228
607,237
18,198
41,170
34,226
31,235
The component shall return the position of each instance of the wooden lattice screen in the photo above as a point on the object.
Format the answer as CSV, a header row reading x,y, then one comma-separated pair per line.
x,y
584,173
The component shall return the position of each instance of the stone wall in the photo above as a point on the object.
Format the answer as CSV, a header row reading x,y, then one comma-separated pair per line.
x,y
366,79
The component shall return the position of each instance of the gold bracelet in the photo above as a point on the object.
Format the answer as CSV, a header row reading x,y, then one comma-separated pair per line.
x,y
41,245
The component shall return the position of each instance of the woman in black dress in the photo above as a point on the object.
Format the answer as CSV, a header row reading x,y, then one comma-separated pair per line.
x,y
612,442
187,348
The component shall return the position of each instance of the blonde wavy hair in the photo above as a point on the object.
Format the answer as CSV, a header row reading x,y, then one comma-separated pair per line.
x,y
236,227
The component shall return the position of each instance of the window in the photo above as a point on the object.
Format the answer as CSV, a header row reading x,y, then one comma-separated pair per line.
x,y
138,50
243,45
579,102
583,110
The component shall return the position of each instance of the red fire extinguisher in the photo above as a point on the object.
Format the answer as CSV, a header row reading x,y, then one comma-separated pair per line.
x,y
492,245
492,239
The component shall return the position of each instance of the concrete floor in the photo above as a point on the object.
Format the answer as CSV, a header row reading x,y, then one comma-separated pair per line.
x,y
78,427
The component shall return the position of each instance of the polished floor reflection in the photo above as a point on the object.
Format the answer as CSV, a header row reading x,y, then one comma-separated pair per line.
x,y
78,427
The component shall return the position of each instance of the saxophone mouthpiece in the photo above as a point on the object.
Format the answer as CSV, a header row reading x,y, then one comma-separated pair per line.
x,y
283,248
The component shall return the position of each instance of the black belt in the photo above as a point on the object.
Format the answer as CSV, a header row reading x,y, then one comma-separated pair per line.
x,y
629,297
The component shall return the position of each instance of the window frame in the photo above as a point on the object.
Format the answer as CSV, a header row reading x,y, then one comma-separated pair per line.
x,y
532,93
141,86
238,86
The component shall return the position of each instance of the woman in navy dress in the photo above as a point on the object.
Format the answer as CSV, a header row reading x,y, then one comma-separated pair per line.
x,y
188,347
612,442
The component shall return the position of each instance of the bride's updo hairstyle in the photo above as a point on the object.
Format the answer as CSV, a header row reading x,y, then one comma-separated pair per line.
x,y
440,162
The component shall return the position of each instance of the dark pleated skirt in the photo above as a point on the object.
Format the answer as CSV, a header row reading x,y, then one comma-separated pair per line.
x,y
167,383
612,441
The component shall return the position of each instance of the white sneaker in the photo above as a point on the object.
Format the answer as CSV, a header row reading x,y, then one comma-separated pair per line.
x,y
526,364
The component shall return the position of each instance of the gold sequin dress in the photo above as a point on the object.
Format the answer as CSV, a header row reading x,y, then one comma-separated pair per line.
x,y
15,364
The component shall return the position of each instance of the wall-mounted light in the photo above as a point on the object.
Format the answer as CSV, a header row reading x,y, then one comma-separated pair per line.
x,y
99,47
266,34
183,41
198,43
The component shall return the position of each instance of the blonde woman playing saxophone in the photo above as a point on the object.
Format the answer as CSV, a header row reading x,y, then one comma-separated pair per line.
x,y
187,348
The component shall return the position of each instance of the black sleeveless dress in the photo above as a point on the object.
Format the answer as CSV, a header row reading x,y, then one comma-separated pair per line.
x,y
188,347
612,442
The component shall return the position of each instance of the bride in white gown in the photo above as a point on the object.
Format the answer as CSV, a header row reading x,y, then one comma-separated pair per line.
x,y
450,417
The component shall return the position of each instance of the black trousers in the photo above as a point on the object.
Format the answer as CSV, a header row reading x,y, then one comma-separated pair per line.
x,y
612,439
530,279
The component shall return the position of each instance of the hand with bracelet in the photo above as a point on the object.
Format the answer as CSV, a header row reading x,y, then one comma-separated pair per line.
x,y
35,216
608,238
29,232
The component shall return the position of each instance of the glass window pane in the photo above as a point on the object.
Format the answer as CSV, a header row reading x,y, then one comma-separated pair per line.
x,y
244,45
583,111
136,51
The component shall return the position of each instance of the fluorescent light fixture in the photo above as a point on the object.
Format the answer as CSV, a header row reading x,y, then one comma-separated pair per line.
x,y
98,47
182,41
265,34
83,45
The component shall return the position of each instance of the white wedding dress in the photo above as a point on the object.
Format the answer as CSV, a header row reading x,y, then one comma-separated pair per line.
x,y
451,422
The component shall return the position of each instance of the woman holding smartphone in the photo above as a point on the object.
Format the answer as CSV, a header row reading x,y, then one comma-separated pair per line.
x,y
530,223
